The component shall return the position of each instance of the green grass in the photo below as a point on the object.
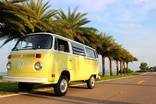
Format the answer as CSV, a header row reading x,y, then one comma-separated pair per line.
x,y
0,77
11,87
8,88
106,77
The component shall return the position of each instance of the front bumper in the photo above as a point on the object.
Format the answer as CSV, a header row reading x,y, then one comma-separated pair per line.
x,y
25,79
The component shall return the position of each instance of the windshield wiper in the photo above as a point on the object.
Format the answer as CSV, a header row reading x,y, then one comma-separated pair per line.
x,y
26,47
15,49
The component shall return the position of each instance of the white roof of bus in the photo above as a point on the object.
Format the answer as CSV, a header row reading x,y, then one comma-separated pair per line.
x,y
59,37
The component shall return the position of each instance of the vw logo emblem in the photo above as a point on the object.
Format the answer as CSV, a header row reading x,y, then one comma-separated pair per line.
x,y
20,64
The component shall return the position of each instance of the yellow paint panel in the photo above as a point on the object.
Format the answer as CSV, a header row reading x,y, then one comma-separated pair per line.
x,y
79,67
28,60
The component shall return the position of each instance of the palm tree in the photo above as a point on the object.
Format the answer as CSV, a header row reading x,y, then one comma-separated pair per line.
x,y
44,16
117,56
71,26
15,1
126,57
123,55
107,42
113,54
13,21
93,40
129,58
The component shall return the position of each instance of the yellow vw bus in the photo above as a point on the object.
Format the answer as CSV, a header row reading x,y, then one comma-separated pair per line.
x,y
46,58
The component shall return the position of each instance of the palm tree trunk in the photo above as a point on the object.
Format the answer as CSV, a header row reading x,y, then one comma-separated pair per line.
x,y
127,67
103,65
117,68
121,69
110,66
124,67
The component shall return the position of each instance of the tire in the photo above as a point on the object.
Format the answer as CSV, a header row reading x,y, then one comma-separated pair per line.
x,y
61,87
91,82
25,87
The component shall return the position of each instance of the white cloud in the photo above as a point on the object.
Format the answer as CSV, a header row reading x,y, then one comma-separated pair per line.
x,y
86,5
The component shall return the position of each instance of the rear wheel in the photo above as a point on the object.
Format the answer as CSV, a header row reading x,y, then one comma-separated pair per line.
x,y
61,87
91,82
25,87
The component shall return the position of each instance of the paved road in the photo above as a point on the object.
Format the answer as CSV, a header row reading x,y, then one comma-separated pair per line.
x,y
133,90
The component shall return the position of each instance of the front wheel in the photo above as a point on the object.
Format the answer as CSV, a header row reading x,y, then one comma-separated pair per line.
x,y
25,87
91,82
61,87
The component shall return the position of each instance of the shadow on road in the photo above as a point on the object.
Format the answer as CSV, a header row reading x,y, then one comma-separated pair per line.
x,y
78,87
50,97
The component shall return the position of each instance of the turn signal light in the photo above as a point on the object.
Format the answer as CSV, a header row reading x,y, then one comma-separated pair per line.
x,y
53,75
9,57
38,55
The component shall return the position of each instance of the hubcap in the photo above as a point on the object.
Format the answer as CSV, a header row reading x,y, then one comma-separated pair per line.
x,y
63,85
92,81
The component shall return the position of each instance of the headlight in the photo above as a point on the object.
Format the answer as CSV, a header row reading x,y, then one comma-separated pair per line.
x,y
38,65
8,65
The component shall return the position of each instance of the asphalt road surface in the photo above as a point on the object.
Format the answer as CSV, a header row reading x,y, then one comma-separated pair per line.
x,y
132,90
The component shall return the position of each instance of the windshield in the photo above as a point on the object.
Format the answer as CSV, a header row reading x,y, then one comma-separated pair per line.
x,y
36,41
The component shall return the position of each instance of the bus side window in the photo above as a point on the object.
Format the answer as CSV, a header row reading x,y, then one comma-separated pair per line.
x,y
90,53
61,45
78,49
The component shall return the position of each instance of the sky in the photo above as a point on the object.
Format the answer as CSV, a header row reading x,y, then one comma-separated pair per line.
x,y
131,23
